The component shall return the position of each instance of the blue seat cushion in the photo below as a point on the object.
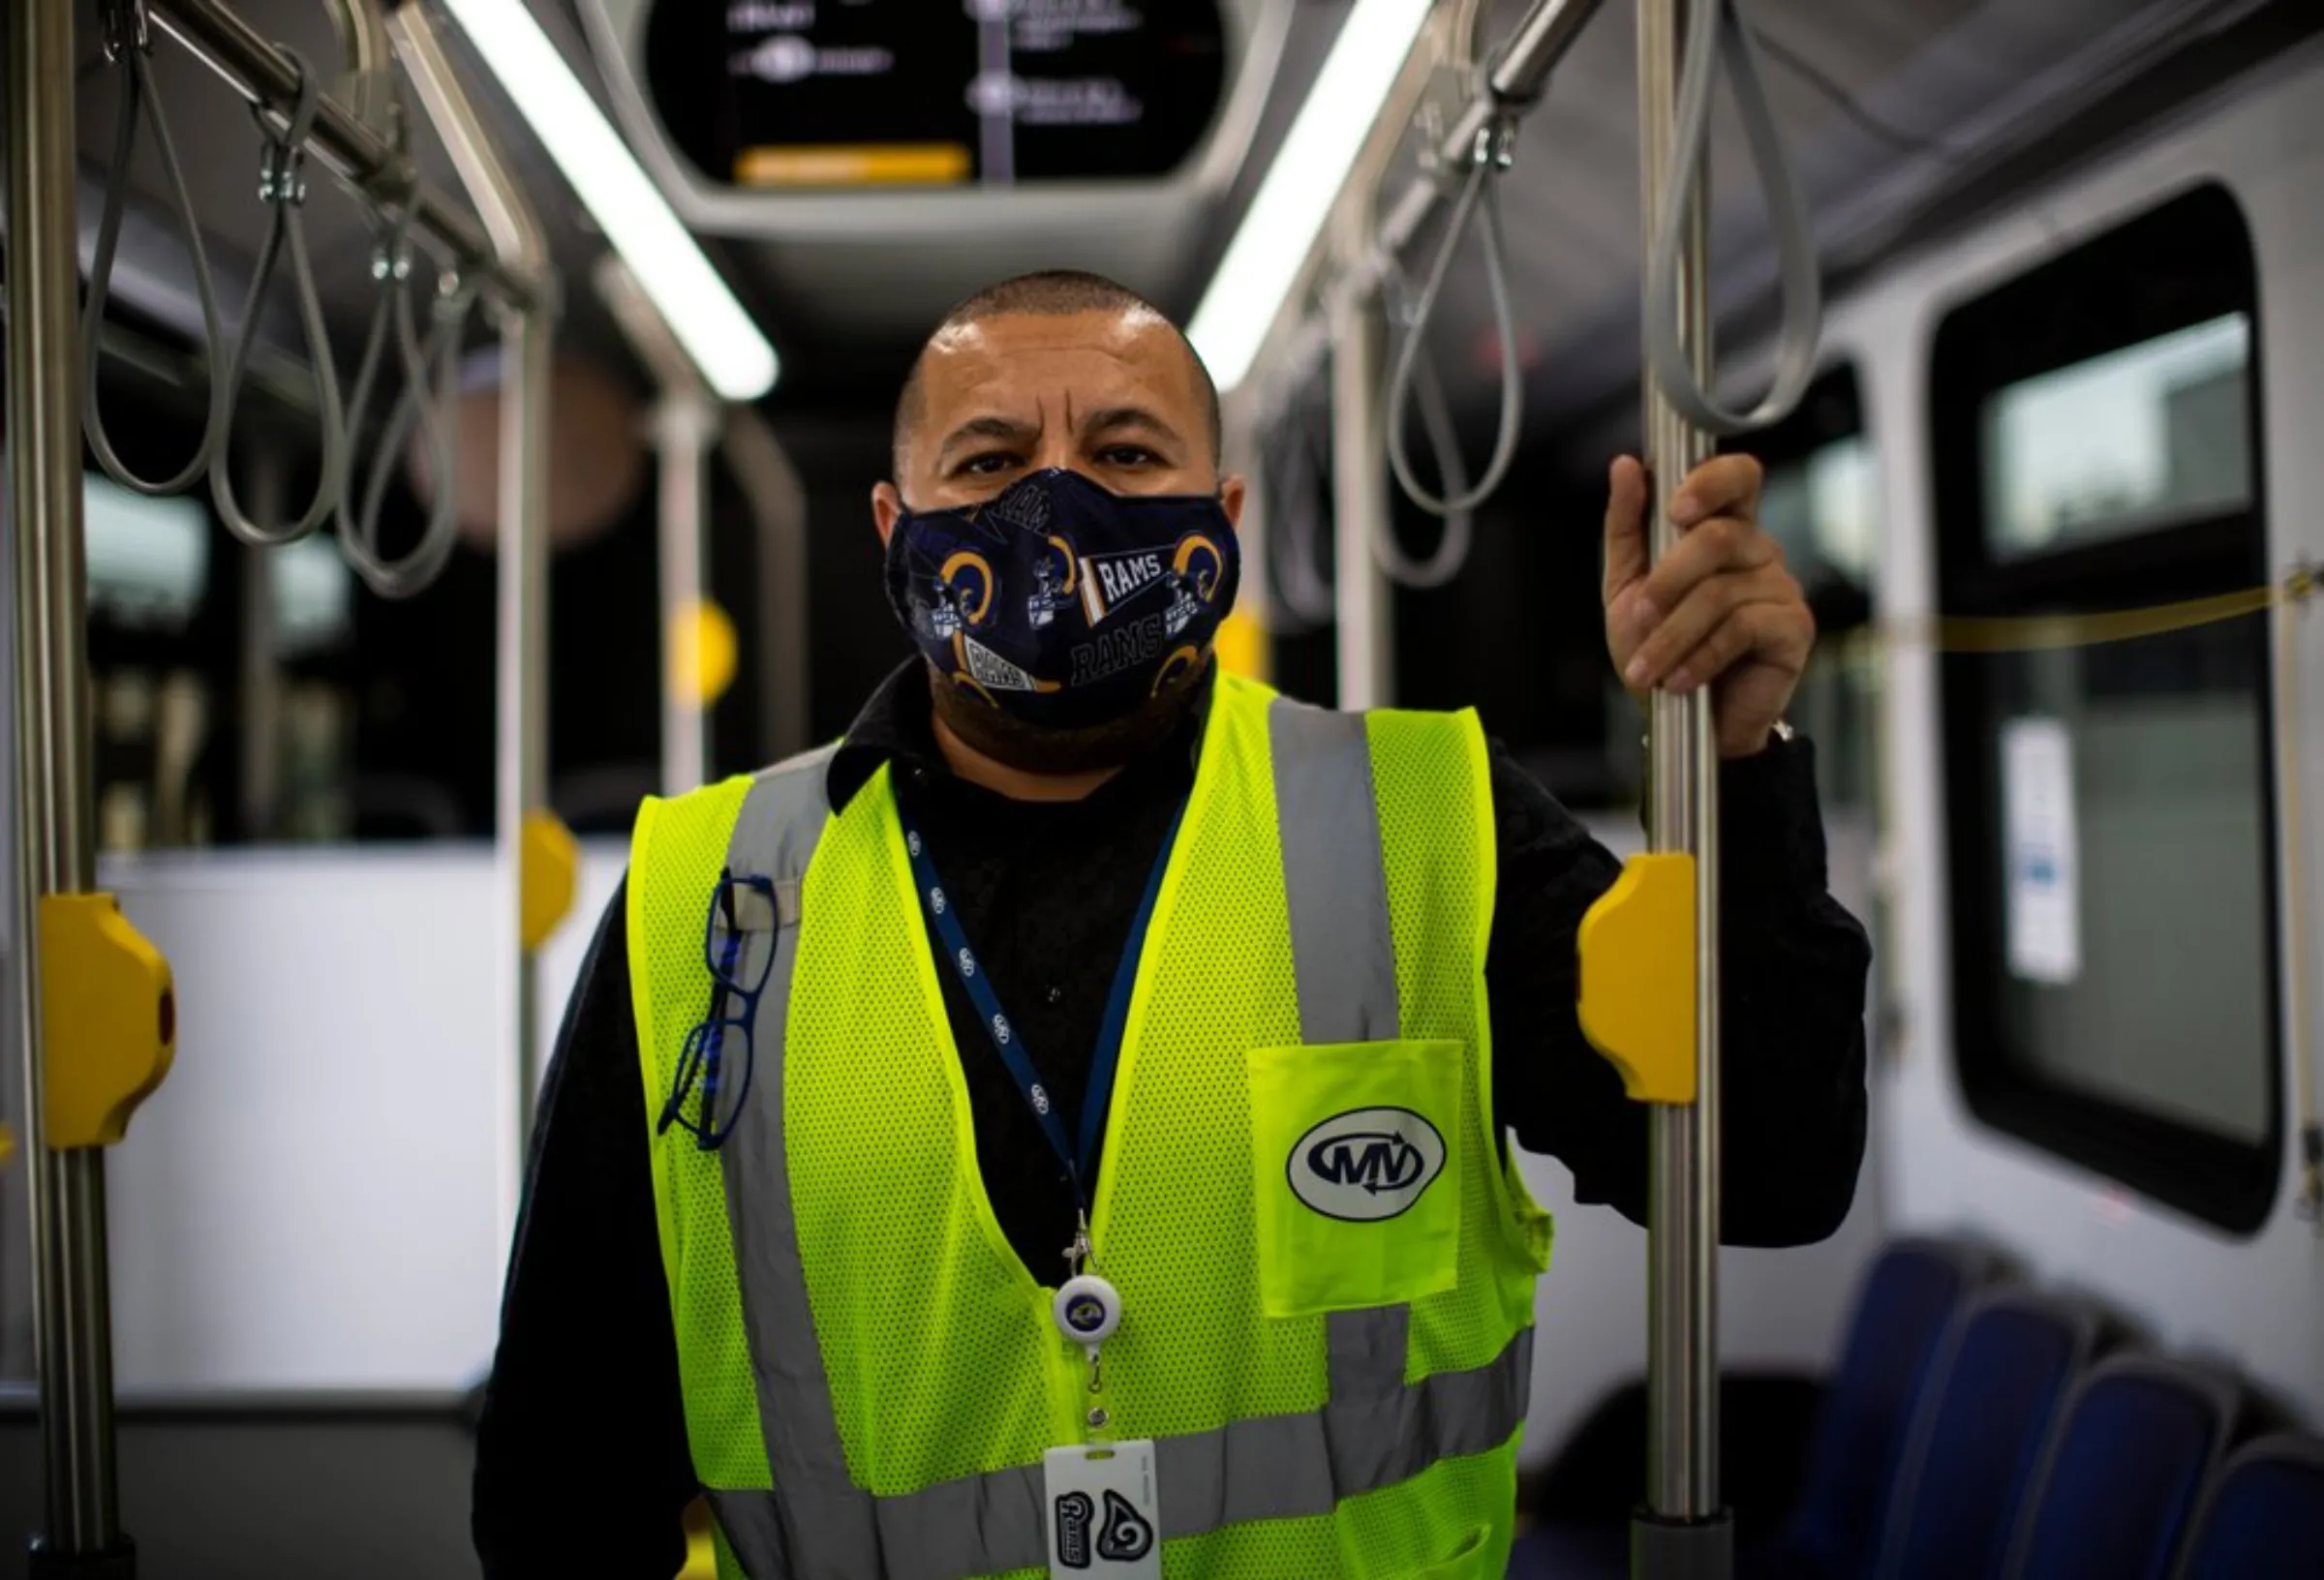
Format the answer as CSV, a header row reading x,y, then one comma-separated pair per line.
x,y
1910,1297
1981,1435
2265,1518
2133,1453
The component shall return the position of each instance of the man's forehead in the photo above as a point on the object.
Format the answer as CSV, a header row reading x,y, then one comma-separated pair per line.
x,y
989,354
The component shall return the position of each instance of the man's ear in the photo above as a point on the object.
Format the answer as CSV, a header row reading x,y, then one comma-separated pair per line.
x,y
1231,492
887,508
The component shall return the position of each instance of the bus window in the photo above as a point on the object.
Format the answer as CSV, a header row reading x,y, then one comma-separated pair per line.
x,y
2110,806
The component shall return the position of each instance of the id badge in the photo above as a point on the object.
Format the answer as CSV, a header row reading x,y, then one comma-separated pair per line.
x,y
1103,1519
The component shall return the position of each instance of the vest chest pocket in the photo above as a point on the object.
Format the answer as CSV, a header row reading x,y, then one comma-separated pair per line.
x,y
1356,1150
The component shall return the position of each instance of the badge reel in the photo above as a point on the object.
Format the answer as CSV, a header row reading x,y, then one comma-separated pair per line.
x,y
1101,1496
1087,1310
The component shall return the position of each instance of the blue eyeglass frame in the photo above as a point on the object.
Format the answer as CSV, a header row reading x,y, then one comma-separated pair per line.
x,y
701,1060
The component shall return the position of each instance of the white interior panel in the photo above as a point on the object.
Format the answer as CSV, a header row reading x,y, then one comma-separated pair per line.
x,y
318,1196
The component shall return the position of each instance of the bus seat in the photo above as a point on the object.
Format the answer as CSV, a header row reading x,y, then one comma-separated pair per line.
x,y
2263,1515
2137,1442
1908,1298
2005,1367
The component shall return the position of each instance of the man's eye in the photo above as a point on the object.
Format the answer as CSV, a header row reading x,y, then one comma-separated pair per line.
x,y
988,464
1128,455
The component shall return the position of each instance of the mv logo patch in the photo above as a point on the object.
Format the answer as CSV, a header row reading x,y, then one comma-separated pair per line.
x,y
1366,1165
1110,580
1125,1538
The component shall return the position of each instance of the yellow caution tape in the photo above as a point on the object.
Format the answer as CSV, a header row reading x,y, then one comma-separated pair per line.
x,y
108,1019
549,867
1638,977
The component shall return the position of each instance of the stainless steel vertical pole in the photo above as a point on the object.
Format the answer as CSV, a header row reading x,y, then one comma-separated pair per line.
x,y
685,422
528,346
1682,816
1364,610
778,510
57,847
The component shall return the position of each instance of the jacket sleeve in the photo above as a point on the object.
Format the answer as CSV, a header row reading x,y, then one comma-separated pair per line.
x,y
582,1465
1794,969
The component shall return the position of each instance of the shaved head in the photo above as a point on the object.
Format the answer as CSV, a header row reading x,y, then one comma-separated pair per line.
x,y
1053,294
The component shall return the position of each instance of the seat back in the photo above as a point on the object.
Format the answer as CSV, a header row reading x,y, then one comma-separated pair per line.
x,y
2003,1372
2262,1517
1908,1296
2138,1438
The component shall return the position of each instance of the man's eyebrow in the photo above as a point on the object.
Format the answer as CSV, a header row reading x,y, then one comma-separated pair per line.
x,y
1115,418
986,427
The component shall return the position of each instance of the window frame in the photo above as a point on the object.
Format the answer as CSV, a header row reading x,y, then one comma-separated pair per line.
x,y
2184,259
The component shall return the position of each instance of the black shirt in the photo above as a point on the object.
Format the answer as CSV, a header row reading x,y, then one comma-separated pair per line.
x,y
582,1464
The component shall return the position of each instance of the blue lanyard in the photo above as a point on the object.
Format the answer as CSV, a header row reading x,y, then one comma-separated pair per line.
x,y
1004,1036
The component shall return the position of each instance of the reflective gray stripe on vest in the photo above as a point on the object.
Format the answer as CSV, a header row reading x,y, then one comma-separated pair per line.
x,y
1343,947
817,1524
1343,955
1265,1468
1375,1431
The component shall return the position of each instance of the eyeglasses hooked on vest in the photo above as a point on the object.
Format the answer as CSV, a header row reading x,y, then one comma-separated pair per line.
x,y
702,1063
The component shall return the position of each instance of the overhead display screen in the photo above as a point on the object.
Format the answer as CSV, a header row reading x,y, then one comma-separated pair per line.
x,y
789,94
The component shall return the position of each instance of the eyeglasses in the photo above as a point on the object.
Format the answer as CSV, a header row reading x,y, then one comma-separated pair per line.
x,y
702,1061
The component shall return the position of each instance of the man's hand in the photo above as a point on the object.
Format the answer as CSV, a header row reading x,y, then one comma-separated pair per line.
x,y
1718,609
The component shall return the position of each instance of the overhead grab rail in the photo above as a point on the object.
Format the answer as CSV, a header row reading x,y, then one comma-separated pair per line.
x,y
283,188
1474,155
1464,167
1478,146
1299,587
295,118
351,150
428,368
1716,32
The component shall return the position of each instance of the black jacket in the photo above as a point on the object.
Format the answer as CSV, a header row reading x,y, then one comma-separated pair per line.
x,y
582,1464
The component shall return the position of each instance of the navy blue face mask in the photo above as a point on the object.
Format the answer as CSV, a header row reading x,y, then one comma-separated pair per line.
x,y
1060,602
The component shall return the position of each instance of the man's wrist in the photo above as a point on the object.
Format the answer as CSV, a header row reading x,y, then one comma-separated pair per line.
x,y
1778,733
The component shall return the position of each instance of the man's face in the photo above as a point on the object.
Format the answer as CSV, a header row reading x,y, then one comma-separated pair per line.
x,y
1112,396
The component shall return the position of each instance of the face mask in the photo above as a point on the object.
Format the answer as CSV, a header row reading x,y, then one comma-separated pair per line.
x,y
1060,602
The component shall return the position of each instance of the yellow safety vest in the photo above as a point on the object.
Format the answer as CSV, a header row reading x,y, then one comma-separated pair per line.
x,y
1329,1308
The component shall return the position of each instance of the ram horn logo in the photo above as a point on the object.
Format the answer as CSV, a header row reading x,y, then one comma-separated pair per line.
x,y
1366,1164
1127,1537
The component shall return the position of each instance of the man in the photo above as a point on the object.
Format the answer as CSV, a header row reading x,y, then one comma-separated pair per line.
x,y
1065,1122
